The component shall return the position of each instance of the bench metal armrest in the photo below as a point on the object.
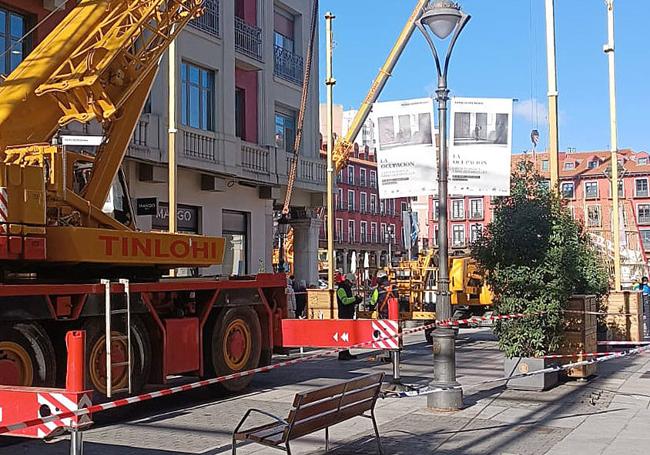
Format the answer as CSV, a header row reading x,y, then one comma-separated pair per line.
x,y
259,411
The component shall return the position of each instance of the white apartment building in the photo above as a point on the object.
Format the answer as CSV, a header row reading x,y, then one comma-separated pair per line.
x,y
239,75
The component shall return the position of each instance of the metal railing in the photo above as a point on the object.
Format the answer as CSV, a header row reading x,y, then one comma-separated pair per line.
x,y
248,39
288,65
209,20
254,158
199,146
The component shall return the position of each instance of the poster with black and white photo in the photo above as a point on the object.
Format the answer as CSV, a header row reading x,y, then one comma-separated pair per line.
x,y
406,155
480,146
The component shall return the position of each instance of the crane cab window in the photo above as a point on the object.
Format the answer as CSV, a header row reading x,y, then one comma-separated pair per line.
x,y
12,29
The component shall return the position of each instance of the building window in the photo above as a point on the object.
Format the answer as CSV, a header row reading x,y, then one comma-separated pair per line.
x,y
382,233
641,187
350,200
436,210
288,65
339,199
476,209
403,207
593,164
373,204
382,208
373,179
285,130
391,204
569,165
567,190
435,235
593,216
362,177
645,238
458,209
197,95
643,213
339,176
363,232
474,232
351,237
621,189
209,20
642,161
350,175
363,201
394,235
544,165
458,235
235,228
339,230
373,232
12,29
591,190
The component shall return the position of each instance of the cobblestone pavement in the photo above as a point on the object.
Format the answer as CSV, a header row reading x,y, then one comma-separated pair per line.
x,y
607,415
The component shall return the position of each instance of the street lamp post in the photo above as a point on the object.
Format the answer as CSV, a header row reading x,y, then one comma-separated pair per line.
x,y
443,18
283,230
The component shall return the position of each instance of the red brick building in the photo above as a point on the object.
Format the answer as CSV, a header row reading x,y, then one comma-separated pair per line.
x,y
365,223
585,185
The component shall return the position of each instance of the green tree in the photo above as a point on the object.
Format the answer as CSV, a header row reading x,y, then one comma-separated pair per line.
x,y
535,256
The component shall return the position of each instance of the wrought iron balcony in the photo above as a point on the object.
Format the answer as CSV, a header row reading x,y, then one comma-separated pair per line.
x,y
288,65
248,39
209,20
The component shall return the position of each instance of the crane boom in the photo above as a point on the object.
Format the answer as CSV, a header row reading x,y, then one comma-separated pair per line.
x,y
343,146
98,64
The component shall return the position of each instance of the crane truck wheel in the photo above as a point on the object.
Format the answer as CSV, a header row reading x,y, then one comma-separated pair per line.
x,y
96,357
26,356
236,346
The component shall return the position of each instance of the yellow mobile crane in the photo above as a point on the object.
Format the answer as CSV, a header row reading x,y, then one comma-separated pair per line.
x,y
66,265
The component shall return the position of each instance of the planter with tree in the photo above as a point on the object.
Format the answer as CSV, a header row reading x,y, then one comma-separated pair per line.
x,y
535,257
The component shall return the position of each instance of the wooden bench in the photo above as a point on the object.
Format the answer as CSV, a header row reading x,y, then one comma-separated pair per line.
x,y
316,410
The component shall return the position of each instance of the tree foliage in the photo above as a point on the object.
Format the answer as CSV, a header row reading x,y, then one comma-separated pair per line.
x,y
535,256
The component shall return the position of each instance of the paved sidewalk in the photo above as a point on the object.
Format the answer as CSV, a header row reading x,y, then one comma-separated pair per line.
x,y
608,415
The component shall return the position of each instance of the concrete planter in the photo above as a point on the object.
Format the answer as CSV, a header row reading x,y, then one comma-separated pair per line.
x,y
538,382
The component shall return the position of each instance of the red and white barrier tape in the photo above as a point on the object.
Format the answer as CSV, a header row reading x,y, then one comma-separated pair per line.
x,y
580,354
622,343
206,382
555,368
600,313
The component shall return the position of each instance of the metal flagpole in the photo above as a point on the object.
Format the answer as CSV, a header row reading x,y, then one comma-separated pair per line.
x,y
329,82
553,146
616,230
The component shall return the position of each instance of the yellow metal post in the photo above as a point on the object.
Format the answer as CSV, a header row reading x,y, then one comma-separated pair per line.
x,y
171,150
553,142
616,230
330,81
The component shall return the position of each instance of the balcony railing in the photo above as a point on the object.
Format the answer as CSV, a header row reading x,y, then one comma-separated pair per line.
x,y
248,39
288,65
209,20
199,146
254,158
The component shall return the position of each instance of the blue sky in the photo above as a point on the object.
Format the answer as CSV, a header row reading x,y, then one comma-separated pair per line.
x,y
501,53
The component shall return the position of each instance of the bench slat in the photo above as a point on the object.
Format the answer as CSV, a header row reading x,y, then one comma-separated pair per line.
x,y
268,433
329,404
243,435
324,392
327,420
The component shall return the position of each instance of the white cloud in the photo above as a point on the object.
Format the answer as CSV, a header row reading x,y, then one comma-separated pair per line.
x,y
531,110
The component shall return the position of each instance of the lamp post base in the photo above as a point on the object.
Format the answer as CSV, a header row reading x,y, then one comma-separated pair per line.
x,y
450,398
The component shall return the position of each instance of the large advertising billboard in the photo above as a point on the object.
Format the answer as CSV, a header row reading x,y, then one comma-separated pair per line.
x,y
406,154
480,146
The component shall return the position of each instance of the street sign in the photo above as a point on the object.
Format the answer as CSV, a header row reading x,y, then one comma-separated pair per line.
x,y
93,141
147,206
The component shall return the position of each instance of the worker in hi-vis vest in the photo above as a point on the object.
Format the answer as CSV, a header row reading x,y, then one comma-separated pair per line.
x,y
381,295
346,301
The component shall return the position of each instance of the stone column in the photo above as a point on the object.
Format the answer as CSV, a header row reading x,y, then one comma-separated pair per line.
x,y
305,249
